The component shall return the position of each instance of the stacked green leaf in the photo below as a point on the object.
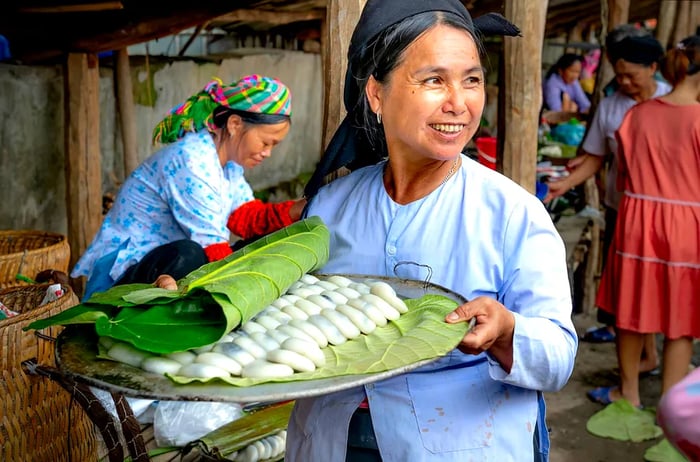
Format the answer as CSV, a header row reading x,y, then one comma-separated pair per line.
x,y
210,301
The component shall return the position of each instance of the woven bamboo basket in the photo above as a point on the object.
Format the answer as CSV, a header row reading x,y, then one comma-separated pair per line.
x,y
39,420
29,252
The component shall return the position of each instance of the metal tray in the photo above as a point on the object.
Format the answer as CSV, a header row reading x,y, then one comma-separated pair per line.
x,y
76,352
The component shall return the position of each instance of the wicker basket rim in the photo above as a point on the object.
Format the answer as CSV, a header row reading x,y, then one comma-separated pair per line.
x,y
31,315
58,241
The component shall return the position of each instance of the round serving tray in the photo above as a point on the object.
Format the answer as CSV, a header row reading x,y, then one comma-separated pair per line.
x,y
76,356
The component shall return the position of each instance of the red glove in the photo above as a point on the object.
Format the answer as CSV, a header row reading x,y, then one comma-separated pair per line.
x,y
218,251
257,218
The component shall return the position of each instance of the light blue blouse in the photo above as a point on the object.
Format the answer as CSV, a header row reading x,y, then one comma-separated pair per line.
x,y
481,234
180,192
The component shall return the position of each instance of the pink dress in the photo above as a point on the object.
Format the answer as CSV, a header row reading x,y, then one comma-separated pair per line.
x,y
651,282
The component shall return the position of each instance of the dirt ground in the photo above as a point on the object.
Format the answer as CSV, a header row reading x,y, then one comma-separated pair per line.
x,y
569,409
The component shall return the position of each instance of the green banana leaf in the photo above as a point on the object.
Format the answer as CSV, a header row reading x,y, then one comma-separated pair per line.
x,y
419,334
245,431
664,451
211,300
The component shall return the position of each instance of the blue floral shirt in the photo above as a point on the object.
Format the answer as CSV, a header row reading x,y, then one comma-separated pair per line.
x,y
180,192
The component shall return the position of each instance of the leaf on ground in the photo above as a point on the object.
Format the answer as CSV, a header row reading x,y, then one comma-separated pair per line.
x,y
663,452
624,422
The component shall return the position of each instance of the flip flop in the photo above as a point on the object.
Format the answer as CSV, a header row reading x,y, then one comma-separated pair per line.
x,y
601,395
599,335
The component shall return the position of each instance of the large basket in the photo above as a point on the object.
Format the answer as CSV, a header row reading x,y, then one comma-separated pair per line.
x,y
30,252
39,420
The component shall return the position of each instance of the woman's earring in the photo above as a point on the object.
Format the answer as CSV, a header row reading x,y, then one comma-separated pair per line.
x,y
379,117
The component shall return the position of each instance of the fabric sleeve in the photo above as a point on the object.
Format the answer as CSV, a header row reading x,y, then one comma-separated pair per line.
x,y
580,97
195,192
552,94
595,143
536,289
257,218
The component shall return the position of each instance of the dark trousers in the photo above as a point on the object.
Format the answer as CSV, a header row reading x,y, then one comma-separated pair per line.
x,y
177,259
362,444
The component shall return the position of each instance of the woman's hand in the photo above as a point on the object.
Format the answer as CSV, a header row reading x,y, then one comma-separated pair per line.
x,y
493,331
297,209
556,188
580,168
165,281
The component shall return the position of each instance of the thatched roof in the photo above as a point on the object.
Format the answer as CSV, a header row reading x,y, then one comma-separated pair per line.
x,y
46,29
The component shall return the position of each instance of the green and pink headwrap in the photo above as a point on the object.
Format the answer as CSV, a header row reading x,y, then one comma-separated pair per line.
x,y
253,94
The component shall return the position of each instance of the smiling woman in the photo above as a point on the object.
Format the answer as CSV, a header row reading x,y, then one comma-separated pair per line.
x,y
416,208
178,208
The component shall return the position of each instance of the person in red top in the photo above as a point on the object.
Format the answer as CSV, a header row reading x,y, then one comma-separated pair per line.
x,y
652,279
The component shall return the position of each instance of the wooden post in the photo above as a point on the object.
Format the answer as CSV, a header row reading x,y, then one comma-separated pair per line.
x,y
523,92
82,151
593,260
613,13
667,19
687,20
341,18
125,105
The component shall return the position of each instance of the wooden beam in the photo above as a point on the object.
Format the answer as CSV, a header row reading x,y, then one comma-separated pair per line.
x,y
125,106
522,94
82,151
76,8
275,18
115,31
190,40
341,18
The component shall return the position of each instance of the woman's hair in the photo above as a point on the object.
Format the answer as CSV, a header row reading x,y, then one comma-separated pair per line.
x,y
222,113
682,60
564,62
644,50
380,57
623,31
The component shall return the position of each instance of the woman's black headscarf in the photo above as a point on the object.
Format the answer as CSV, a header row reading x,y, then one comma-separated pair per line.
x,y
378,15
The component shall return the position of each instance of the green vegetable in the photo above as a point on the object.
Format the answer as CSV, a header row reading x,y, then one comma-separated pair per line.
x,y
210,301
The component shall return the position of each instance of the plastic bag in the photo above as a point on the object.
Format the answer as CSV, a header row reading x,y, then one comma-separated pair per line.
x,y
570,133
176,423
139,407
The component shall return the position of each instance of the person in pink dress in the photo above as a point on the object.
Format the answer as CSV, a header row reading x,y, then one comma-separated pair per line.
x,y
652,280
678,412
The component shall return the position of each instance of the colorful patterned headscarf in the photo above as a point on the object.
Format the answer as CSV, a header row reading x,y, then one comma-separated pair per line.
x,y
254,93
